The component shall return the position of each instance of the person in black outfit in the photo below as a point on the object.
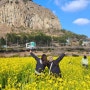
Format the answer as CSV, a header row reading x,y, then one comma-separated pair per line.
x,y
53,65
41,62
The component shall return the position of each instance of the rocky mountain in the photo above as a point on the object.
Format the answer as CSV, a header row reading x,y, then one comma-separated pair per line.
x,y
25,13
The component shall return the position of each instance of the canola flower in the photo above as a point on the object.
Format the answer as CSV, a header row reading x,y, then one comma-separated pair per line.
x,y
17,73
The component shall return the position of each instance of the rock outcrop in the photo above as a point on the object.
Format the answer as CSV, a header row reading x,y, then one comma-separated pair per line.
x,y
27,14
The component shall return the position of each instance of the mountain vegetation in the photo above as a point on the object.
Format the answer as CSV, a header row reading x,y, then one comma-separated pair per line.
x,y
40,38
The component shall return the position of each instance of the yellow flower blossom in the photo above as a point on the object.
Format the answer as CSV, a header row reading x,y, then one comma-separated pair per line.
x,y
17,73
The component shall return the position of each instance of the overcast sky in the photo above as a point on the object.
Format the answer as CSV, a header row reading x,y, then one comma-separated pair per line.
x,y
74,15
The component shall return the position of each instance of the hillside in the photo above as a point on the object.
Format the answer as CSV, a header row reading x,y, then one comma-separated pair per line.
x,y
24,15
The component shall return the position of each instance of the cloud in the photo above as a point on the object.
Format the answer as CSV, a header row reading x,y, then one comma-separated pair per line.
x,y
74,5
57,2
54,12
81,21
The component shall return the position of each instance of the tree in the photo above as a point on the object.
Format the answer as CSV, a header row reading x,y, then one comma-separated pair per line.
x,y
42,39
23,38
11,38
2,41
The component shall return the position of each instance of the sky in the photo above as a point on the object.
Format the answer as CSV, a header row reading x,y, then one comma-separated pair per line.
x,y
74,15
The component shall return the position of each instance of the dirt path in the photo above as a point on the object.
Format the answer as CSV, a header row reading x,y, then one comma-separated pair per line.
x,y
39,53
21,54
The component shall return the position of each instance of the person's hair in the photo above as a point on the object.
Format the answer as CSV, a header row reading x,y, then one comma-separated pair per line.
x,y
50,58
44,57
85,56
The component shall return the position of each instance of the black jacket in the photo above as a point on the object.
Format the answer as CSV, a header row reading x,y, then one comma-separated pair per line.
x,y
40,66
54,65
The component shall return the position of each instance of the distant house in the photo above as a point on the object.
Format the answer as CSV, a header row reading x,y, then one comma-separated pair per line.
x,y
86,42
72,42
68,41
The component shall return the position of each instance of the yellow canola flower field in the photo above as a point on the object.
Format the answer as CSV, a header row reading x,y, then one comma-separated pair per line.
x,y
17,73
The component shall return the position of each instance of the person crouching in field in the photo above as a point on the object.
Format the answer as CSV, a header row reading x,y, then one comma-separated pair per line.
x,y
53,65
84,61
41,63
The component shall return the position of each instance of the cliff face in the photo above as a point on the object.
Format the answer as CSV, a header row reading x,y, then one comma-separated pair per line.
x,y
27,14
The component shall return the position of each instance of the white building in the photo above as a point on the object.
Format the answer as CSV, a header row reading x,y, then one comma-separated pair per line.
x,y
31,45
86,42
